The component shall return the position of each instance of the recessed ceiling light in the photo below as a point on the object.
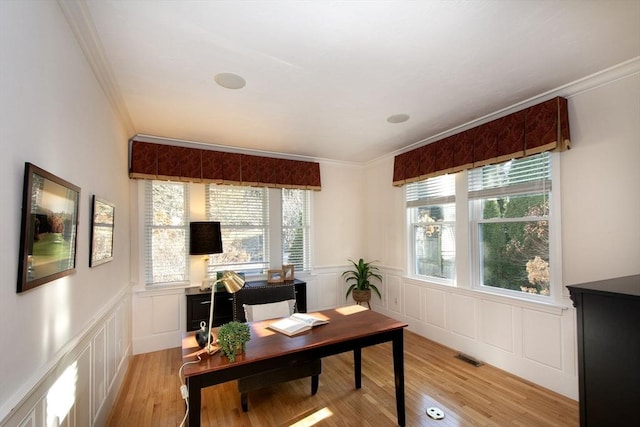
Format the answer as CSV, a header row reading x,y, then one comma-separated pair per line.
x,y
230,80
398,118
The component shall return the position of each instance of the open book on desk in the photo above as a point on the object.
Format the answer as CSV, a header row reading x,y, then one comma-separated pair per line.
x,y
296,324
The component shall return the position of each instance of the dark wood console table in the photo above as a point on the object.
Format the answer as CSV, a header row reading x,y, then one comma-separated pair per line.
x,y
608,319
349,329
198,303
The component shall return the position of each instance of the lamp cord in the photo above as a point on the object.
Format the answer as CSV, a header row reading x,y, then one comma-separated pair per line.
x,y
183,387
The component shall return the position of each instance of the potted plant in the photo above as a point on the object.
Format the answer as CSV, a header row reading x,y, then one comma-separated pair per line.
x,y
360,277
232,339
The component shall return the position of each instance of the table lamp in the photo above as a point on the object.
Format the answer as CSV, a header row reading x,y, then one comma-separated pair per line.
x,y
205,239
232,282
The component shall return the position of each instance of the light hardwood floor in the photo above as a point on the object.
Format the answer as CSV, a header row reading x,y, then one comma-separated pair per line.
x,y
469,396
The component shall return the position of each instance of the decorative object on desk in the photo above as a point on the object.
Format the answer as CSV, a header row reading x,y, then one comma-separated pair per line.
x,y
275,276
102,223
232,282
287,272
202,335
232,339
361,275
205,239
49,228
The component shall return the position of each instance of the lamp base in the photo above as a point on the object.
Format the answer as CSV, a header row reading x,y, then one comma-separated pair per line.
x,y
211,349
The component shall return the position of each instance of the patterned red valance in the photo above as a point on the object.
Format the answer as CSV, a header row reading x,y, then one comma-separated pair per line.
x,y
169,162
542,127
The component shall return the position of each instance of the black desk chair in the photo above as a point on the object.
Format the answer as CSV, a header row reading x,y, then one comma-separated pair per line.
x,y
252,296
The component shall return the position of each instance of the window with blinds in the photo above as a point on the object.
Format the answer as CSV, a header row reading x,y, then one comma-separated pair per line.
x,y
243,213
296,228
509,208
431,213
166,232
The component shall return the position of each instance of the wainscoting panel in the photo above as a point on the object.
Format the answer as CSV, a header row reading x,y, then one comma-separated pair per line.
x,y
413,301
394,294
542,338
534,341
435,308
328,290
463,316
79,389
497,325
99,371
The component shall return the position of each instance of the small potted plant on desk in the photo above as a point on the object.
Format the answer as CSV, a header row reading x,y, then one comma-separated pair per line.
x,y
232,339
361,277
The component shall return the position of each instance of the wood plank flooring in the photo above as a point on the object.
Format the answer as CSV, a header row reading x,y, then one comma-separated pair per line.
x,y
469,396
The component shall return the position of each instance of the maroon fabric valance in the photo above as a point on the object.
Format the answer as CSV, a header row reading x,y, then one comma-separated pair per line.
x,y
542,127
168,162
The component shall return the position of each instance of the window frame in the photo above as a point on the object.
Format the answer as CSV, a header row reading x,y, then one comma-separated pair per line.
x,y
425,201
148,227
195,210
475,221
466,270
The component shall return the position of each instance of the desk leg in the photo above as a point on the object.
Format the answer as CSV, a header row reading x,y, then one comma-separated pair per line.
x,y
357,366
398,372
195,403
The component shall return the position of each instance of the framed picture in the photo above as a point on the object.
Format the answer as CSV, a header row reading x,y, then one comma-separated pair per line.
x,y
275,276
102,221
48,232
287,271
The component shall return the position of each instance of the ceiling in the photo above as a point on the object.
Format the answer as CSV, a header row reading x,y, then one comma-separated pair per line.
x,y
323,76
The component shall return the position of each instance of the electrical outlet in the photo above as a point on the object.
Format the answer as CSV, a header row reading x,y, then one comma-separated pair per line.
x,y
435,413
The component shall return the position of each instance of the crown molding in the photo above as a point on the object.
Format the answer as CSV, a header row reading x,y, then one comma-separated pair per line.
x,y
79,19
569,90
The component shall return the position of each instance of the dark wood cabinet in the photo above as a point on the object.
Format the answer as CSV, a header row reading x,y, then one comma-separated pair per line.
x,y
608,320
198,303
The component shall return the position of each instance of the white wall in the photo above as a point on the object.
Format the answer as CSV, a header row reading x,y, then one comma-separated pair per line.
x,y
600,192
601,184
54,114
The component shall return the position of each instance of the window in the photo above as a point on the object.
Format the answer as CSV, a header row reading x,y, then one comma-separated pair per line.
x,y
509,211
262,228
166,232
431,214
243,213
296,228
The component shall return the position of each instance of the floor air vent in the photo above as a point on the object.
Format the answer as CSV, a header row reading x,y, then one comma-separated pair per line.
x,y
470,360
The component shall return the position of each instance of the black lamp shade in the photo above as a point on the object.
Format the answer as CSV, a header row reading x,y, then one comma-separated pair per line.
x,y
205,238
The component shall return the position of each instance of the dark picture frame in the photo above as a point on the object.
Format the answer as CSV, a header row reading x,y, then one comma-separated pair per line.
x,y
48,233
102,225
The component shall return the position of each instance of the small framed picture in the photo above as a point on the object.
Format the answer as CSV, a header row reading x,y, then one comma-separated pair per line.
x,y
275,276
287,272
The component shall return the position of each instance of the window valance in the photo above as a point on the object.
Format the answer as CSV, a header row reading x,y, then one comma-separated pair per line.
x,y
542,127
168,162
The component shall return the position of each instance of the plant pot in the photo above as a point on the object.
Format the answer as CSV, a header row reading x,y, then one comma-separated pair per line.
x,y
361,296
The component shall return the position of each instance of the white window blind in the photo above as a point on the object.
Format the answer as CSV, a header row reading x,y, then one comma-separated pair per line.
x,y
438,190
243,213
520,176
296,228
167,228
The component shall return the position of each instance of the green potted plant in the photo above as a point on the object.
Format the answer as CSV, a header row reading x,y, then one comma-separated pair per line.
x,y
232,339
360,278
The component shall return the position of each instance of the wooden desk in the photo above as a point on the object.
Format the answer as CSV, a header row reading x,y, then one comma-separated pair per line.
x,y
349,329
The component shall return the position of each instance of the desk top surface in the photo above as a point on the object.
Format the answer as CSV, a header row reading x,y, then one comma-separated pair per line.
x,y
345,324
